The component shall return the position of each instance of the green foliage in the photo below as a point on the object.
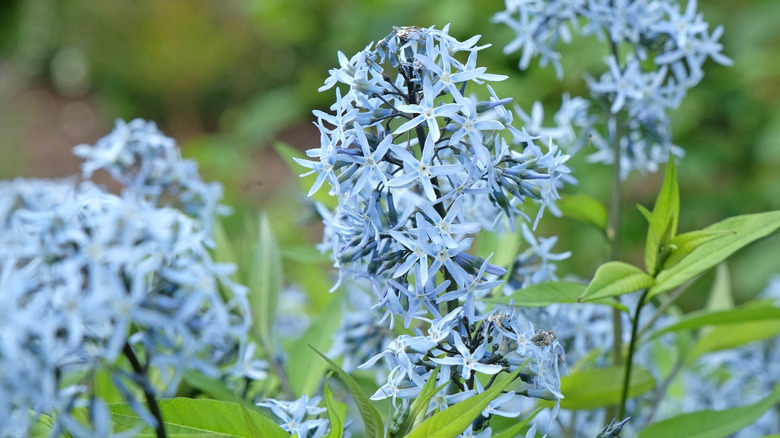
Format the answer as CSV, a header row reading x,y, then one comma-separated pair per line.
x,y
614,279
711,424
663,220
544,294
451,422
738,232
371,418
594,388
265,280
337,413
303,368
184,417
585,209
419,406
704,318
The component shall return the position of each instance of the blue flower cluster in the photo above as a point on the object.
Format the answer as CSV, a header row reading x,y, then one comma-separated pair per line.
x,y
666,50
420,167
88,276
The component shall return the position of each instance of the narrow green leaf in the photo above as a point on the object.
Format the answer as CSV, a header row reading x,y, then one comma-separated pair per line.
x,y
663,224
585,209
746,229
600,387
544,294
265,279
254,432
652,243
419,406
371,418
201,417
304,369
727,336
616,278
711,424
517,428
216,388
289,154
223,250
703,318
455,419
337,412
720,297
683,244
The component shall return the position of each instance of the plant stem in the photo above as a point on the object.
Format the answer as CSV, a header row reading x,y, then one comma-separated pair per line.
x,y
614,232
630,356
154,408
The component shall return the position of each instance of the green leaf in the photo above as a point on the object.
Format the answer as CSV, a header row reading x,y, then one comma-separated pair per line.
x,y
455,419
663,224
711,424
337,411
585,209
304,369
681,246
517,428
544,294
616,278
371,418
185,417
254,432
223,250
727,336
720,297
216,388
720,317
595,388
265,280
419,406
288,154
746,229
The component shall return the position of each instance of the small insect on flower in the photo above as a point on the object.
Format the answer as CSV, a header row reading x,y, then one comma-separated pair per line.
x,y
544,338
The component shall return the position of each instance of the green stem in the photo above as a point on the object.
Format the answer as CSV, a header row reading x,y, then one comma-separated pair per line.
x,y
614,233
151,401
630,357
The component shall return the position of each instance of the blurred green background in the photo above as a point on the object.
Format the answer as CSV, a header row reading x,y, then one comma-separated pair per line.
x,y
228,79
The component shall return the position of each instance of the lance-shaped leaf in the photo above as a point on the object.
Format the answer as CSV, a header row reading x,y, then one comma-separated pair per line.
x,y
419,406
202,417
704,318
742,230
616,278
371,418
723,337
517,428
585,209
711,424
544,294
594,388
454,420
684,244
663,220
265,280
337,412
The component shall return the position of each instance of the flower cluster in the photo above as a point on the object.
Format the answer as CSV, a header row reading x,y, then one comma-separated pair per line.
x,y
420,167
296,416
88,276
666,51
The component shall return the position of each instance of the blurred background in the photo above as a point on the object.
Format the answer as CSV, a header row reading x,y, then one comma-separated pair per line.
x,y
230,79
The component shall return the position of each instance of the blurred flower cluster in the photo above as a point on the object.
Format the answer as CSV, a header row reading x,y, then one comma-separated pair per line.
x,y
88,277
419,167
664,51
